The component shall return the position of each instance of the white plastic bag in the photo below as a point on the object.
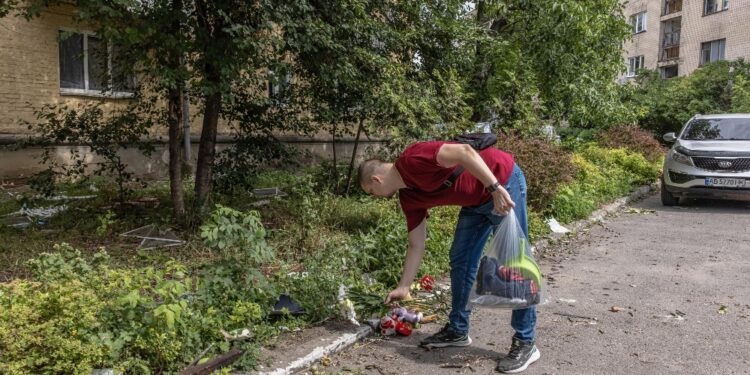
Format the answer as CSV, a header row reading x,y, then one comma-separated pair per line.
x,y
508,277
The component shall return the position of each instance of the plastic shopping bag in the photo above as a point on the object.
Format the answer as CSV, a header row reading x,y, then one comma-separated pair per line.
x,y
508,277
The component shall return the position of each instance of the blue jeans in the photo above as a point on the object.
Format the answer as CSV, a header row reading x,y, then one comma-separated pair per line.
x,y
474,227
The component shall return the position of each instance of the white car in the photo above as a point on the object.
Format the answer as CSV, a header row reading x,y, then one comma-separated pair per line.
x,y
709,159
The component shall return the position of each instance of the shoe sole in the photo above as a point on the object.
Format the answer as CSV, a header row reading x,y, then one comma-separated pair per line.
x,y
448,344
533,358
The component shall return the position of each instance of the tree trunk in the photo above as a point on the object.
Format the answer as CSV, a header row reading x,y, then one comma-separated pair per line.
x,y
174,118
481,65
354,155
207,151
174,115
335,164
211,105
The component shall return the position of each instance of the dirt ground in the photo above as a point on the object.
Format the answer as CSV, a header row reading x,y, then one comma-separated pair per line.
x,y
653,290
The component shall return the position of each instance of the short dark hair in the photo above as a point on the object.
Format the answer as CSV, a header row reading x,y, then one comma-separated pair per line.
x,y
367,169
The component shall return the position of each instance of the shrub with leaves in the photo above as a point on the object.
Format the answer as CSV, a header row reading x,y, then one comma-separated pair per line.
x,y
240,232
80,314
545,164
632,138
601,175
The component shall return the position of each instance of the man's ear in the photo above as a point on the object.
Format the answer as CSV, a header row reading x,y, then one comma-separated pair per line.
x,y
376,178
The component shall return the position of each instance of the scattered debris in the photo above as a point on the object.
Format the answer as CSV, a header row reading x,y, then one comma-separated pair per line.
x,y
326,361
368,279
259,203
150,202
555,226
567,300
43,212
152,237
237,334
269,192
286,306
346,307
458,366
105,371
723,310
218,362
570,317
203,354
70,197
26,216
615,309
635,210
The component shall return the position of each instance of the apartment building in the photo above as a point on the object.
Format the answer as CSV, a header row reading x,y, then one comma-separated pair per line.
x,y
39,66
676,37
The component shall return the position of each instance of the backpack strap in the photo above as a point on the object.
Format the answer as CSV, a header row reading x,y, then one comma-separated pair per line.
x,y
449,182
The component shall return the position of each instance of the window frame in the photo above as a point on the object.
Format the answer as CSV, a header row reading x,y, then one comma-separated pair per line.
x,y
664,69
634,22
721,5
710,48
635,63
86,91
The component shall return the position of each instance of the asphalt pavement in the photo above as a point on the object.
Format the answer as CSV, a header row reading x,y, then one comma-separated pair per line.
x,y
651,290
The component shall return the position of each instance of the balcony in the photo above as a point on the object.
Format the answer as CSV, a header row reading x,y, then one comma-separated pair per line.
x,y
672,6
671,53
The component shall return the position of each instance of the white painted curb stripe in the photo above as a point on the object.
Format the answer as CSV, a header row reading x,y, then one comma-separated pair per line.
x,y
341,343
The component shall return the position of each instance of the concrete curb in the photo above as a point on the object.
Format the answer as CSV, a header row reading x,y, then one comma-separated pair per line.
x,y
344,341
348,339
596,217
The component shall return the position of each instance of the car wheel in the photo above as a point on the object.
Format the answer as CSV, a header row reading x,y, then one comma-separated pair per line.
x,y
667,198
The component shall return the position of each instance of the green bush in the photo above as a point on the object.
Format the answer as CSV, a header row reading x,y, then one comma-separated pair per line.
x,y
632,138
601,175
81,314
665,105
545,164
240,232
50,328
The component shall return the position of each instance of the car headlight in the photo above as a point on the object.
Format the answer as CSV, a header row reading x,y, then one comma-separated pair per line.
x,y
681,158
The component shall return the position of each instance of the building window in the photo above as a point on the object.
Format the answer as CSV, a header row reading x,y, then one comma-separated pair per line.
x,y
672,6
278,85
638,21
713,6
87,66
634,64
712,51
669,72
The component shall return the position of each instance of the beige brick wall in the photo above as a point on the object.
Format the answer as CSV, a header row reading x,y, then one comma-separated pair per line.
x,y
732,25
696,28
643,43
29,71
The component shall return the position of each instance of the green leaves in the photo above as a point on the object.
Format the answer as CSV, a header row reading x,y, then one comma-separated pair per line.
x,y
239,232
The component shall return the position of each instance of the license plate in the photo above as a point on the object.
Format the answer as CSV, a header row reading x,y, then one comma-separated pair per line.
x,y
727,182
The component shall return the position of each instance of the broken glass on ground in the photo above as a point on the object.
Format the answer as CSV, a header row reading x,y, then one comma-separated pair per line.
x,y
152,237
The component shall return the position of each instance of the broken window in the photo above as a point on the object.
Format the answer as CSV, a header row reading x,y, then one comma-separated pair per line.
x,y
669,72
671,39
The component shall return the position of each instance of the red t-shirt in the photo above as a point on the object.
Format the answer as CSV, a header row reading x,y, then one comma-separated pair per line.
x,y
422,174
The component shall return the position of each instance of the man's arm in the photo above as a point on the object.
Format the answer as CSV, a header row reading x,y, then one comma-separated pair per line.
x,y
464,155
414,254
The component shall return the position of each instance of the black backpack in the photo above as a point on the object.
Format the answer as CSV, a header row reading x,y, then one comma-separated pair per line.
x,y
477,141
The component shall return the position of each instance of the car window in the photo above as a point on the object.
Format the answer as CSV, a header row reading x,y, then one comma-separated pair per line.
x,y
727,129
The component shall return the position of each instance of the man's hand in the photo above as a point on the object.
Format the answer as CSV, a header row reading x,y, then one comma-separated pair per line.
x,y
397,294
503,202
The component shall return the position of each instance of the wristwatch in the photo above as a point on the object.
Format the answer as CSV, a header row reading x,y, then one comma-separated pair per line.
x,y
492,188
